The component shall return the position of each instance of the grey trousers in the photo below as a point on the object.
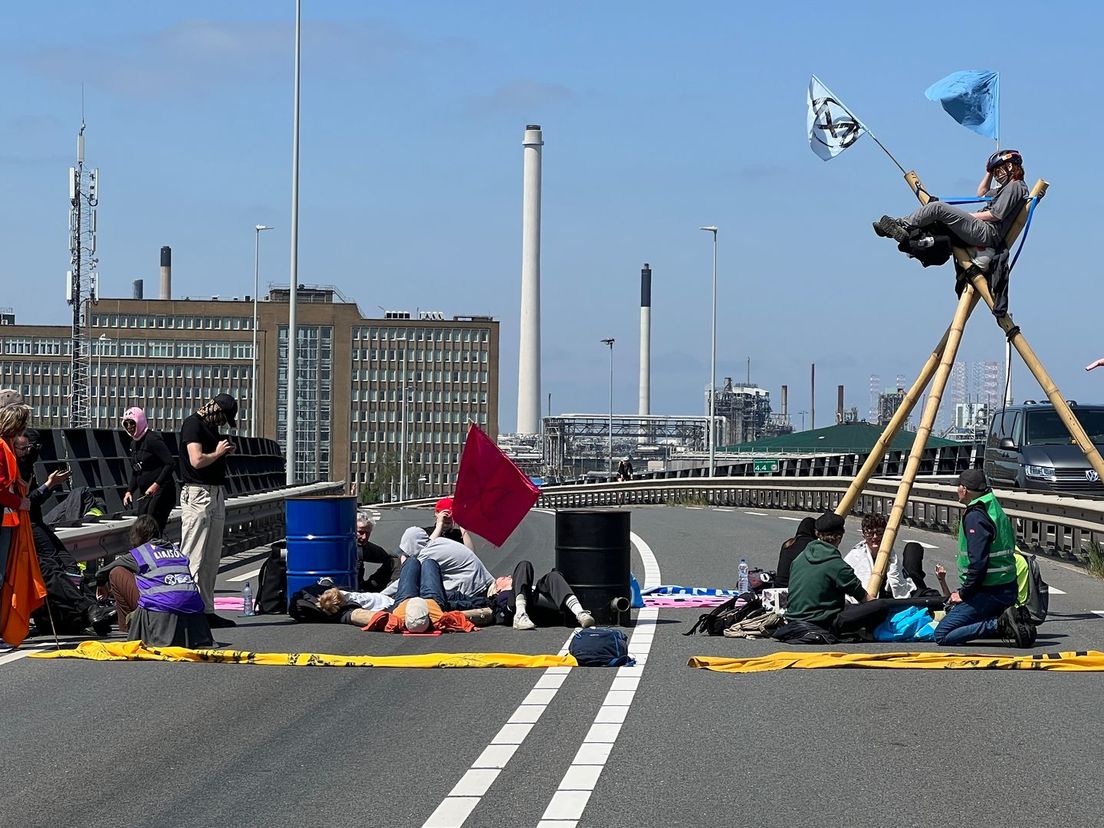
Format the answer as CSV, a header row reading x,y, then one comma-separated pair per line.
x,y
962,224
202,518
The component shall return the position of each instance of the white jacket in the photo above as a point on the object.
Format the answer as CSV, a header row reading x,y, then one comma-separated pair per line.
x,y
900,584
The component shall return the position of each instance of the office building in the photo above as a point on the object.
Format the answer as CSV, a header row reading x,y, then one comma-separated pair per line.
x,y
169,356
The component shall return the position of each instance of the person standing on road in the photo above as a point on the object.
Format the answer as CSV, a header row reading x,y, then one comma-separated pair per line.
x,y
203,453
625,469
986,569
151,487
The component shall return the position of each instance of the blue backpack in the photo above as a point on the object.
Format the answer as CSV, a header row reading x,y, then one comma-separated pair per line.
x,y
600,647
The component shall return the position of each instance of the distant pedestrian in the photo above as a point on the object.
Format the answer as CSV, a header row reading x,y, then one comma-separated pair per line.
x,y
151,488
203,453
625,469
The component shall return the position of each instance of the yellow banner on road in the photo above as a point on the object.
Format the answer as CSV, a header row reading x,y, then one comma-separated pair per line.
x,y
134,651
1087,661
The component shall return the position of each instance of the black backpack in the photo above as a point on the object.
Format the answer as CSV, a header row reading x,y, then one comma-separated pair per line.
x,y
1034,596
600,647
719,619
272,584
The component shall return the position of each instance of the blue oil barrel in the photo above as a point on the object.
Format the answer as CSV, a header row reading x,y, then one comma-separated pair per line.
x,y
592,553
321,541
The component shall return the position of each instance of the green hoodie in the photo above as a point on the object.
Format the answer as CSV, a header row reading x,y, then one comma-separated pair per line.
x,y
819,581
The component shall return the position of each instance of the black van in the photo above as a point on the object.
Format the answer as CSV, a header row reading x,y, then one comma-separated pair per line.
x,y
1028,447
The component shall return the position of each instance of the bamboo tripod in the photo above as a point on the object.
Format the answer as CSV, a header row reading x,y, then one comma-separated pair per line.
x,y
936,370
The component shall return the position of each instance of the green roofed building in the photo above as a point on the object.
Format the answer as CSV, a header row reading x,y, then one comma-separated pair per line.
x,y
849,438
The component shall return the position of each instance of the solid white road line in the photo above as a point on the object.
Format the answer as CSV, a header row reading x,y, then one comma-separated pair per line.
x,y
246,576
571,797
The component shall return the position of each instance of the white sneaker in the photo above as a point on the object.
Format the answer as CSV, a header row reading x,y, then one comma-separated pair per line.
x,y
585,619
523,622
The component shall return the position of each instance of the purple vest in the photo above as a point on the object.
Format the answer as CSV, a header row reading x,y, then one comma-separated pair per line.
x,y
165,583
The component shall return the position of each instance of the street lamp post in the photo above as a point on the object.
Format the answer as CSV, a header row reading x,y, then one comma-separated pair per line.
x,y
104,338
256,289
293,340
610,342
713,356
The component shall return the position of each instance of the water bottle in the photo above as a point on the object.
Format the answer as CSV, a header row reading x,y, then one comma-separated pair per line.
x,y
742,576
247,600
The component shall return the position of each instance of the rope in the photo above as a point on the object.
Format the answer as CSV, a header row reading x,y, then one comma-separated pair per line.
x,y
1027,227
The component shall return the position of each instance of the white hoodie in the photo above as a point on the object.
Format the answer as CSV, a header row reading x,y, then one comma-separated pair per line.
x,y
900,584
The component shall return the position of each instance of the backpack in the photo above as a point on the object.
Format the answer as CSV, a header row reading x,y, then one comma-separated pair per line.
x,y
757,625
802,632
760,579
600,647
272,583
1034,593
719,619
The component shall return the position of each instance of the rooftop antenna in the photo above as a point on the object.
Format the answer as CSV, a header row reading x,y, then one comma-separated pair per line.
x,y
82,280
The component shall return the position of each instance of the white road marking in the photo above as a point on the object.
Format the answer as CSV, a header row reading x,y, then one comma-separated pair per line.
x,y
246,576
757,514
1055,590
465,795
571,797
723,509
39,646
695,507
1098,612
795,520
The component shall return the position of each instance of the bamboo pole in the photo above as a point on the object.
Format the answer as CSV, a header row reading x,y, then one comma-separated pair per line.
x,y
966,303
870,465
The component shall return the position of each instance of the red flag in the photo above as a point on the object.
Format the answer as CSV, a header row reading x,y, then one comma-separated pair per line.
x,y
492,494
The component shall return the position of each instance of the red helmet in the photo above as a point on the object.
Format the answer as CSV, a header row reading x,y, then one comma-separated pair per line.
x,y
1006,156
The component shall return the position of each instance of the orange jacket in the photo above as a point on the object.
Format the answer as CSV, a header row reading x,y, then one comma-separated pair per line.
x,y
9,489
440,621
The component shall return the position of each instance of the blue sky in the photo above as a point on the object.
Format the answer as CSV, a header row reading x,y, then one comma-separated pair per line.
x,y
658,118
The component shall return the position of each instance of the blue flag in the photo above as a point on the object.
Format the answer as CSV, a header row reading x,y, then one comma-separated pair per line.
x,y
971,97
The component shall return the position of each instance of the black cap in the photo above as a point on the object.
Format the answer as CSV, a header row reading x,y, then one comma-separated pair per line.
x,y
229,407
829,523
974,480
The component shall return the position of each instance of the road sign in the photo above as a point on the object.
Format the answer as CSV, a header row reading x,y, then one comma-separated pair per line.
x,y
764,466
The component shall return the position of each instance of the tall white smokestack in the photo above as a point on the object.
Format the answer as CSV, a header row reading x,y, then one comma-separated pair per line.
x,y
166,272
645,340
529,362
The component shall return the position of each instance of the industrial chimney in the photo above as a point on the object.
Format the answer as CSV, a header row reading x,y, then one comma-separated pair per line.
x,y
645,340
785,402
839,404
137,292
166,272
529,355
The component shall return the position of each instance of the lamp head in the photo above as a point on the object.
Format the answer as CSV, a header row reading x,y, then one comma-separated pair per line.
x,y
712,228
609,342
263,227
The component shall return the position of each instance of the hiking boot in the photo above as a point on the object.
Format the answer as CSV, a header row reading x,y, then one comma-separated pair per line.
x,y
585,619
522,621
890,228
1014,628
100,619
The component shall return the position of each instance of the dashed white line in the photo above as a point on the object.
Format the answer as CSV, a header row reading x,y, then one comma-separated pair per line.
x,y
795,520
757,514
723,509
571,797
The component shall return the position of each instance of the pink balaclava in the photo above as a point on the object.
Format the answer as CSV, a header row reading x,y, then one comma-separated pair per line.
x,y
141,426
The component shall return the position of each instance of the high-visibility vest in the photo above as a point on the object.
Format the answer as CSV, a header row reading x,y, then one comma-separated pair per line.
x,y
164,581
1002,562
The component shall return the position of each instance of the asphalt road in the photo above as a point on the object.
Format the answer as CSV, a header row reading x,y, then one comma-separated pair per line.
x,y
142,744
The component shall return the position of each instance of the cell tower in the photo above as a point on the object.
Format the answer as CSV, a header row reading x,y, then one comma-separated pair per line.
x,y
81,281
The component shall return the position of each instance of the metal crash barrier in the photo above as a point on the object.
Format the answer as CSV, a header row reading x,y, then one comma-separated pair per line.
x,y
251,520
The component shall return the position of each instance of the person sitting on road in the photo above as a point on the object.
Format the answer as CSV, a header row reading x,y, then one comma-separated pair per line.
x,y
465,577
820,580
982,606
806,533
862,556
373,553
156,597
985,229
420,604
517,600
445,526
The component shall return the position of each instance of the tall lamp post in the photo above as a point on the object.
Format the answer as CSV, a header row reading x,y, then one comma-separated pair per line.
x,y
256,289
610,342
713,356
104,339
293,336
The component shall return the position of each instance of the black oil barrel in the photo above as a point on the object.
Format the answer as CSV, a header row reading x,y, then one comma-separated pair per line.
x,y
592,553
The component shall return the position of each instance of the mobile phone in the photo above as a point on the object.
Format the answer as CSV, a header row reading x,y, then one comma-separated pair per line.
x,y
63,468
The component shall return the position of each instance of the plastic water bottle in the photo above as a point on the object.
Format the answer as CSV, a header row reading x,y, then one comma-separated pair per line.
x,y
247,600
742,576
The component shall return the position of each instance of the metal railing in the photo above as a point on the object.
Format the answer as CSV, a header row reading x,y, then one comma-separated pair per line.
x,y
251,520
